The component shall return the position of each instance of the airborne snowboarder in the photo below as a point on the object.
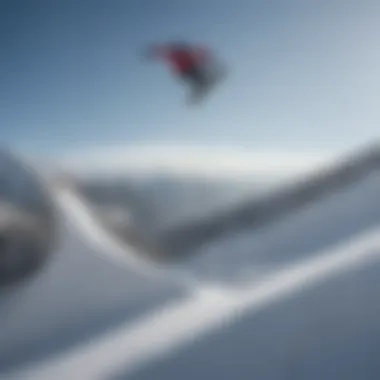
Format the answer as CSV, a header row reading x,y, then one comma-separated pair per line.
x,y
194,64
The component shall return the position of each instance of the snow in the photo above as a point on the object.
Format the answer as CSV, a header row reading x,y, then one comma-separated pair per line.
x,y
297,299
81,290
27,220
132,344
303,233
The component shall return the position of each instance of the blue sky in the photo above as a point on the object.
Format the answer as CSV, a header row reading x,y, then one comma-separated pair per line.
x,y
304,75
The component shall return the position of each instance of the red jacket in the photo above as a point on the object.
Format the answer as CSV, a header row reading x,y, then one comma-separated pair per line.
x,y
181,59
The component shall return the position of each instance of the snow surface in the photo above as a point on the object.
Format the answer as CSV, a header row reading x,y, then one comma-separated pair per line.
x,y
236,259
27,220
295,300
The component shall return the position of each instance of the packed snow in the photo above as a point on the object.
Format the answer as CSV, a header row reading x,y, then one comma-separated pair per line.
x,y
296,299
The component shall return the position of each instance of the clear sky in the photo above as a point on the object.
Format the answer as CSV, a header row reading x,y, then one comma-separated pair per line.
x,y
305,75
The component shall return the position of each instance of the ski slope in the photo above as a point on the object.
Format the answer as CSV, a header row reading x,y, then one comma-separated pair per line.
x,y
341,214
295,299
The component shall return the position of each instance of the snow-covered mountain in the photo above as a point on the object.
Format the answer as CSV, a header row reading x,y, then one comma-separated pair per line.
x,y
171,184
177,185
167,200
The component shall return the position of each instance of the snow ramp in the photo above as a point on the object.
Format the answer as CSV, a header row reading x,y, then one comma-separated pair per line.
x,y
311,313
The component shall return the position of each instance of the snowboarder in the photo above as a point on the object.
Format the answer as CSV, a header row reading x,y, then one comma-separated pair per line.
x,y
193,64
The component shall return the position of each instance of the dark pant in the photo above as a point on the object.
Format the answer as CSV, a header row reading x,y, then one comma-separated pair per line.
x,y
195,75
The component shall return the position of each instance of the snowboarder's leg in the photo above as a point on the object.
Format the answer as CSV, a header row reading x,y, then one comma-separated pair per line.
x,y
199,83
198,92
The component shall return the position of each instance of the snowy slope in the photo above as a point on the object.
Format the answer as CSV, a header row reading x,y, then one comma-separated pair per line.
x,y
84,288
278,203
343,213
305,289
27,220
